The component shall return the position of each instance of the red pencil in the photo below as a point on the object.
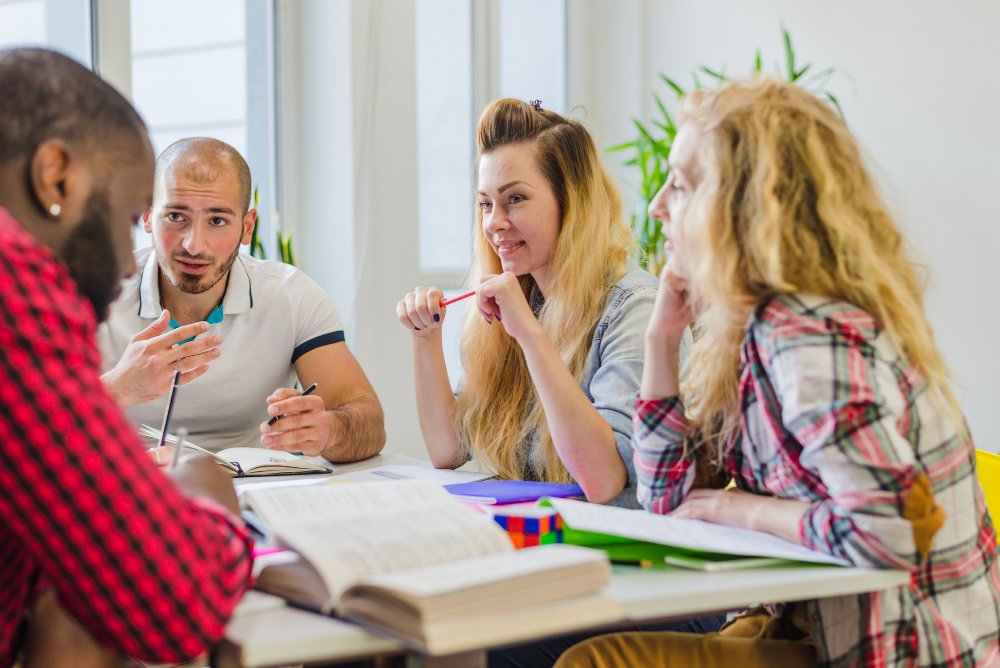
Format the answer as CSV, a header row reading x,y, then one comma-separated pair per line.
x,y
445,302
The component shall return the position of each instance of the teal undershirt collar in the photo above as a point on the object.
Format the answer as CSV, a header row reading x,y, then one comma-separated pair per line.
x,y
214,318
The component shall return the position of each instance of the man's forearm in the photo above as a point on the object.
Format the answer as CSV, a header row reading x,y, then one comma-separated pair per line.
x,y
109,380
357,431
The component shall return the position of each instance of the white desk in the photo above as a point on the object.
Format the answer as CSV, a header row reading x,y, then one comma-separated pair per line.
x,y
286,635
647,594
337,469
283,635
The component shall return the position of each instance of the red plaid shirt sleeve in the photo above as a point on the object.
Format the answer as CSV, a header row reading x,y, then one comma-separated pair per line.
x,y
664,473
146,570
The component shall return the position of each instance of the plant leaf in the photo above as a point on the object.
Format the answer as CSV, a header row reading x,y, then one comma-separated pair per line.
x,y
789,53
835,102
256,247
670,82
662,107
713,73
621,147
643,131
757,66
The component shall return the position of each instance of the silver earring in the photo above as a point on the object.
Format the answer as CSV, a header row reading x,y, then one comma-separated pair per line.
x,y
55,210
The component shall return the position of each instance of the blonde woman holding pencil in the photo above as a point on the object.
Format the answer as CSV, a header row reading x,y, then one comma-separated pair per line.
x,y
552,350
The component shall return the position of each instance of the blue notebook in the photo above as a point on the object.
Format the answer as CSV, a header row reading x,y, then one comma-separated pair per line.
x,y
511,491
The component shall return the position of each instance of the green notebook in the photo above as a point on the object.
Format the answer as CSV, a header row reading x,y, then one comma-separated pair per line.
x,y
623,549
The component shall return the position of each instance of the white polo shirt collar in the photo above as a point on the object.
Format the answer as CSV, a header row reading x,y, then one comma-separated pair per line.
x,y
238,297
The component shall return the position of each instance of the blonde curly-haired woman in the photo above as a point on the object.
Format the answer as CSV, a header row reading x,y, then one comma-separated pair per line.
x,y
815,384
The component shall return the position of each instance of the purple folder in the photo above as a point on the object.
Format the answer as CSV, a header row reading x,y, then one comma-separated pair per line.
x,y
511,491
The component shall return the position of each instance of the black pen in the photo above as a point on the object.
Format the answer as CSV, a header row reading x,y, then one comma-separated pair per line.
x,y
170,409
308,390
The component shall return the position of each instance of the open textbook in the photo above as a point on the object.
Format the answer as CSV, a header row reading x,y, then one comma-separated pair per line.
x,y
407,558
247,462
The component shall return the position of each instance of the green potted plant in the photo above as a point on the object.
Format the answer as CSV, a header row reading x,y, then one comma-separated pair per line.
x,y
284,239
651,147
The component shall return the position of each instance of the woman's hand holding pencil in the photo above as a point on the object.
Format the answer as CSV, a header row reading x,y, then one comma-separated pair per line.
x,y
422,311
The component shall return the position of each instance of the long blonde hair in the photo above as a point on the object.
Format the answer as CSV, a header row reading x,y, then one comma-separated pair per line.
x,y
497,407
784,204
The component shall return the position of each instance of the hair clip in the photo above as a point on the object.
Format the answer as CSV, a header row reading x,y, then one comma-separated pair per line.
x,y
537,104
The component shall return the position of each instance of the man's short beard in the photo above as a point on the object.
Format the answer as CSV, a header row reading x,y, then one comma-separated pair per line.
x,y
193,285
89,255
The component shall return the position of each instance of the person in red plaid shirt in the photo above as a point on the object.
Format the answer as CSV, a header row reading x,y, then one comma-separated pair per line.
x,y
101,554
815,385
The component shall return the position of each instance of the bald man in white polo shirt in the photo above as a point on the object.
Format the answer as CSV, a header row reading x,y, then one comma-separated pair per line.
x,y
258,325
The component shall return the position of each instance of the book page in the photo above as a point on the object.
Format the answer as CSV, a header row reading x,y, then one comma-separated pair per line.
x,y
690,534
154,433
344,550
251,458
336,501
441,578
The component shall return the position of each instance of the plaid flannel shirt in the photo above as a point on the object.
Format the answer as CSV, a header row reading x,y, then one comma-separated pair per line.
x,y
831,414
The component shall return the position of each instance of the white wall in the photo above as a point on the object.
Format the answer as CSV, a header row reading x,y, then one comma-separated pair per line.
x,y
349,155
919,87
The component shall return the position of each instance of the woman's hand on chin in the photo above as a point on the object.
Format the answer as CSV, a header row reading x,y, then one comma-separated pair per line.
x,y
501,298
672,312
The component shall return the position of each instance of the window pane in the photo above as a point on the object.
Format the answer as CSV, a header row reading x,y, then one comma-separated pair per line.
x,y
22,23
179,25
189,88
444,133
532,54
63,25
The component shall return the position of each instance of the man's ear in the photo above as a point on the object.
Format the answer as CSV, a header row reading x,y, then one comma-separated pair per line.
x,y
147,224
60,184
249,221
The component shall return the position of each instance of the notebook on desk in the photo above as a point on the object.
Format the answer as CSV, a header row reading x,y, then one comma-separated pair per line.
x,y
248,462
512,491
637,534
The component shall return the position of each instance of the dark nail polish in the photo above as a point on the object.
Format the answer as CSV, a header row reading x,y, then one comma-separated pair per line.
x,y
437,318
417,328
